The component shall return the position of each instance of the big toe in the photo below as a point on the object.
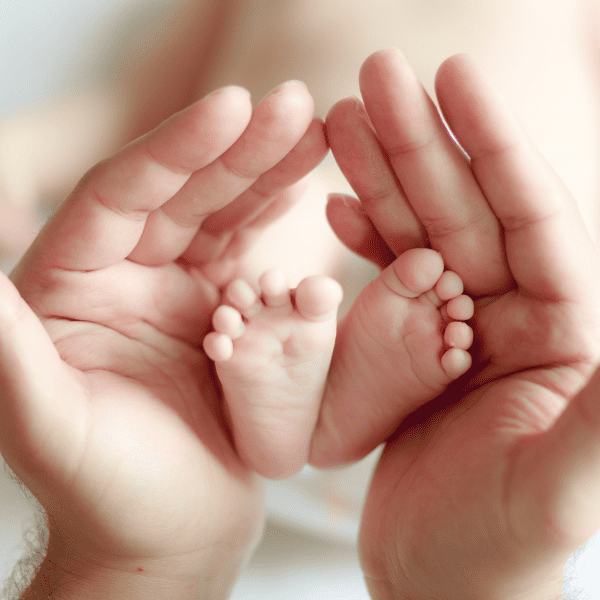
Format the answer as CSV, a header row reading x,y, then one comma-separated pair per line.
x,y
414,272
318,297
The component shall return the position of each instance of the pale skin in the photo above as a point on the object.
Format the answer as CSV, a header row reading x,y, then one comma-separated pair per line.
x,y
484,493
110,415
542,55
494,431
395,350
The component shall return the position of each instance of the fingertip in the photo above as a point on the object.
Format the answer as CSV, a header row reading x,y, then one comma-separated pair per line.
x,y
375,61
348,220
338,109
230,93
232,100
316,138
290,97
452,65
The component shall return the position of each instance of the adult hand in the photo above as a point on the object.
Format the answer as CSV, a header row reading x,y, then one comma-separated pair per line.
x,y
485,492
109,412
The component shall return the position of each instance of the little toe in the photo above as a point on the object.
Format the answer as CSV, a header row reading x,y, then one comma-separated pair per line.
x,y
461,308
242,296
318,297
218,346
228,320
449,286
458,335
414,272
456,362
275,289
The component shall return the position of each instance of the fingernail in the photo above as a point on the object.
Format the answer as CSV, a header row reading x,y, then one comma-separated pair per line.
x,y
287,84
347,201
358,104
227,88
290,83
361,110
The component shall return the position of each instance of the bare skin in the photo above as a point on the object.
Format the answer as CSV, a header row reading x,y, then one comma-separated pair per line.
x,y
498,476
110,415
521,491
272,353
394,352
402,343
542,55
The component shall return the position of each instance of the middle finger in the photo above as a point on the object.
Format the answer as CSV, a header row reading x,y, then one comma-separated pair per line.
x,y
278,123
434,174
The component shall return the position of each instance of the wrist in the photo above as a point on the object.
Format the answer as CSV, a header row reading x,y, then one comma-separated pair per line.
x,y
472,584
64,575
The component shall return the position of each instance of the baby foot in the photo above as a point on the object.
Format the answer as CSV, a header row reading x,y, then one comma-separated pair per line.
x,y
403,341
272,354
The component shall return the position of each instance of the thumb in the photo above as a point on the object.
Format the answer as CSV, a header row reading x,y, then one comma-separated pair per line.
x,y
557,477
36,391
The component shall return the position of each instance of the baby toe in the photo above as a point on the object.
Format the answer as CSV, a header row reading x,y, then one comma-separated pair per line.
x,y
218,346
228,320
414,272
449,286
458,335
318,297
242,296
456,362
461,308
275,289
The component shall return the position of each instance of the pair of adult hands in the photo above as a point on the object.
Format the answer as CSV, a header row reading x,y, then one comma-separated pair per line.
x,y
111,415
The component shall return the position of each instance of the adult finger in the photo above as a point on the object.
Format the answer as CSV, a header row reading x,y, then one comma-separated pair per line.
x,y
434,173
218,229
277,125
356,231
367,168
550,253
233,260
102,220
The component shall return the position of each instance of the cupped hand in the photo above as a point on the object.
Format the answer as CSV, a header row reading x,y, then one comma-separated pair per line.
x,y
486,491
109,410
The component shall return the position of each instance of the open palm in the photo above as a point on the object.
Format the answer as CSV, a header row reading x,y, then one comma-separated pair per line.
x,y
470,498
110,413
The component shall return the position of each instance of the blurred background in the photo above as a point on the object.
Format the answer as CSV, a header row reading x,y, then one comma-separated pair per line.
x,y
78,78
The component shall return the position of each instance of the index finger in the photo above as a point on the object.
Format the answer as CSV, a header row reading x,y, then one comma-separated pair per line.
x,y
102,220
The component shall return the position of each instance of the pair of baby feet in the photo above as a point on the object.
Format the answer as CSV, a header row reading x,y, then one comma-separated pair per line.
x,y
298,387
